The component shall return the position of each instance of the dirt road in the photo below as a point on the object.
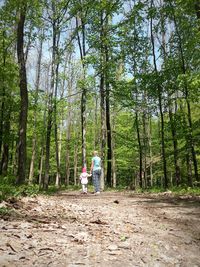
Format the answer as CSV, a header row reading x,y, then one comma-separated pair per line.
x,y
112,229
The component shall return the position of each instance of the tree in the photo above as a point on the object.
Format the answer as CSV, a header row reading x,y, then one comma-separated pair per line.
x,y
37,84
21,175
159,90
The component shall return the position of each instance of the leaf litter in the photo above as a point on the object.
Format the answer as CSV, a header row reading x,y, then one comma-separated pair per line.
x,y
69,229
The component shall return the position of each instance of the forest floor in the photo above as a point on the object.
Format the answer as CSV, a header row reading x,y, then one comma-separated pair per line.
x,y
111,229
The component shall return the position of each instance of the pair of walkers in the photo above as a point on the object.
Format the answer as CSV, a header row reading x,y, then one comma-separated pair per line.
x,y
95,172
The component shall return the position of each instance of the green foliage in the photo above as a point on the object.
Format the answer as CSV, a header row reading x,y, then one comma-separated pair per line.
x,y
185,190
5,211
175,191
134,85
8,188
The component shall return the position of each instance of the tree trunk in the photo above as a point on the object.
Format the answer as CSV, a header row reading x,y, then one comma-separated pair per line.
x,y
83,126
58,177
82,50
96,130
50,112
48,139
114,176
3,96
103,131
102,103
4,119
189,170
42,151
21,174
150,152
145,140
175,144
171,116
5,153
140,149
193,152
159,88
68,143
186,94
40,179
37,84
108,126
75,163
187,150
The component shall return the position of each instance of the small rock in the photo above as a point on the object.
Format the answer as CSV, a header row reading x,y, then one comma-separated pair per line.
x,y
113,247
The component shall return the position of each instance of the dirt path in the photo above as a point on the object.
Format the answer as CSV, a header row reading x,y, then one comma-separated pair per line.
x,y
112,229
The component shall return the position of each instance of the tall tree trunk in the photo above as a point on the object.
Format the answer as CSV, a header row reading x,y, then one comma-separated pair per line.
x,y
68,147
114,176
186,95
4,119
175,144
150,152
43,140
103,131
96,131
189,169
3,95
145,141
140,150
40,178
50,109
75,161
159,89
83,125
34,142
187,150
15,159
21,174
82,50
171,116
48,139
108,126
102,102
58,177
5,153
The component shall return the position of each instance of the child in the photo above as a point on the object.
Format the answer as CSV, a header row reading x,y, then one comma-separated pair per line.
x,y
84,180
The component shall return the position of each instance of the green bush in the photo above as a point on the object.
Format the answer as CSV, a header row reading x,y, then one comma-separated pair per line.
x,y
9,188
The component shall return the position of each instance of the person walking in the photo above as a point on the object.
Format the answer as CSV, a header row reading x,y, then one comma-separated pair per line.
x,y
95,170
84,180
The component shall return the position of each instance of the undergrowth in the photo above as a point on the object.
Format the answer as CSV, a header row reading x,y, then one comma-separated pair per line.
x,y
181,190
5,211
8,188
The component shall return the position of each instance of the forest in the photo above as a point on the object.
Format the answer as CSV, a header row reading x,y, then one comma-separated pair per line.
x,y
119,77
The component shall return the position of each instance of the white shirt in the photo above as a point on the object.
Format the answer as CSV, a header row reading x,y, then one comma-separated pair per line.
x,y
84,177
